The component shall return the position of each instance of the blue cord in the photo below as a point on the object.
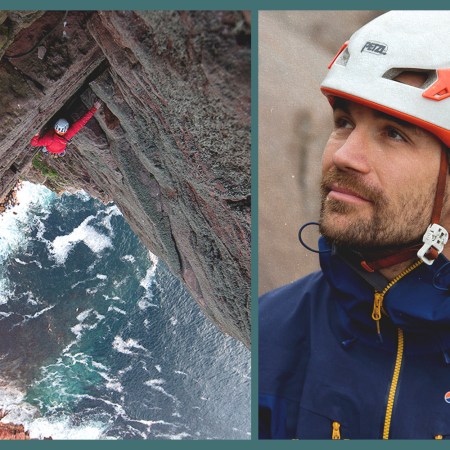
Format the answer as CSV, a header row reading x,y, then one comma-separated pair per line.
x,y
302,241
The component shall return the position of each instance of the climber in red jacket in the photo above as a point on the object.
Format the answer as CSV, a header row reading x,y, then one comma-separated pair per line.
x,y
56,140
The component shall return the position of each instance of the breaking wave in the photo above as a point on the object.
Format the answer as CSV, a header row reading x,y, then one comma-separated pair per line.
x,y
99,340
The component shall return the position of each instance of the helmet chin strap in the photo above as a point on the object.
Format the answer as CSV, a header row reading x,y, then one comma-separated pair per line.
x,y
435,237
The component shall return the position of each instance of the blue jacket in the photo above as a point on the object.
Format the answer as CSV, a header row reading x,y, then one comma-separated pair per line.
x,y
326,370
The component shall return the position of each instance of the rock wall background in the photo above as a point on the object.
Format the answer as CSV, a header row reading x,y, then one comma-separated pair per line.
x,y
295,48
170,146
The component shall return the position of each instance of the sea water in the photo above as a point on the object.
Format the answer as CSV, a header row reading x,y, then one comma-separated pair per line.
x,y
99,340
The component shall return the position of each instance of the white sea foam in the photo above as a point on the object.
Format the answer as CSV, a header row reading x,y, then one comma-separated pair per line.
x,y
173,321
97,277
31,299
38,263
83,315
156,385
114,385
64,429
149,424
10,396
111,382
5,290
98,365
17,260
155,382
147,281
113,210
128,258
115,298
62,245
118,409
127,369
110,213
120,311
81,358
173,437
79,329
82,195
39,313
125,346
117,284
92,267
158,368
153,258
15,222
12,401
28,317
143,304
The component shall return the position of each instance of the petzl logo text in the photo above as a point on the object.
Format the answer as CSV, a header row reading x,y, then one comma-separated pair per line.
x,y
375,47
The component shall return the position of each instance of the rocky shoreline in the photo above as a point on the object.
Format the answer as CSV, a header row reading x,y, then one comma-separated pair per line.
x,y
14,432
10,199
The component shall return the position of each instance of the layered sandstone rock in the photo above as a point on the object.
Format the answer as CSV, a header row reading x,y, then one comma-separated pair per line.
x,y
13,432
170,146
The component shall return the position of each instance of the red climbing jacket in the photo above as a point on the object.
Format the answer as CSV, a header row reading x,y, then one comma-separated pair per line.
x,y
56,143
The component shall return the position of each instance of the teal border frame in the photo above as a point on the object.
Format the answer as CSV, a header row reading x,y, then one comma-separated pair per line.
x,y
254,239
254,6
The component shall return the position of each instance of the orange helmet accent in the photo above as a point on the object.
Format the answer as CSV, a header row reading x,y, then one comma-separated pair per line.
x,y
440,89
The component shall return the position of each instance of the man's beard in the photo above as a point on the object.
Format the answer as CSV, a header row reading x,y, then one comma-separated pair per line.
x,y
391,224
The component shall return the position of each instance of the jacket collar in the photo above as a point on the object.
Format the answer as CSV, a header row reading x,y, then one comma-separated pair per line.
x,y
419,303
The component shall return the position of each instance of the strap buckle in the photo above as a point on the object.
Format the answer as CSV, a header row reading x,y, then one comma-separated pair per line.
x,y
434,241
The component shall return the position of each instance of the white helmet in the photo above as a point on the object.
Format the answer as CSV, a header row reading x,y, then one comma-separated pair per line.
x,y
62,126
364,69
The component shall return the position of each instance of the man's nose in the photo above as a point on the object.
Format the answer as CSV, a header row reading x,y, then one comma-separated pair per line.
x,y
353,153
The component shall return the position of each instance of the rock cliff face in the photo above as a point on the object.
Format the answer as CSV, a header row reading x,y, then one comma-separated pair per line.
x,y
12,432
170,145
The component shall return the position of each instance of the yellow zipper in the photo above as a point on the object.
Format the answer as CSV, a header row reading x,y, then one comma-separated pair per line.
x,y
336,433
376,315
394,383
379,296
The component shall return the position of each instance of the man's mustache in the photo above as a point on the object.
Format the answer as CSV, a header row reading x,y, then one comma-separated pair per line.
x,y
350,181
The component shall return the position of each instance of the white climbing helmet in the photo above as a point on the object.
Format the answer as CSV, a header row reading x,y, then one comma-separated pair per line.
x,y
62,126
364,69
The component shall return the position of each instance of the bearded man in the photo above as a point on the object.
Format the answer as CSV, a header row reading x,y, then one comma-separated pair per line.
x,y
361,349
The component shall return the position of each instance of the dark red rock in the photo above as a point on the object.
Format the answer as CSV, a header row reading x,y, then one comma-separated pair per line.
x,y
170,146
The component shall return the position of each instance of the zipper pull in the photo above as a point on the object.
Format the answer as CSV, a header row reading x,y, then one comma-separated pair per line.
x,y
377,302
336,434
376,313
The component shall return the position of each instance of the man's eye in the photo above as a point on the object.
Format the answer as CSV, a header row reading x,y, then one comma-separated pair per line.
x,y
395,134
342,122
